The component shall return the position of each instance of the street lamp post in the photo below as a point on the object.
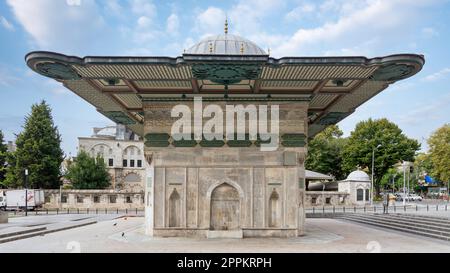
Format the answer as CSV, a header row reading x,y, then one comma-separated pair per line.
x,y
26,192
404,183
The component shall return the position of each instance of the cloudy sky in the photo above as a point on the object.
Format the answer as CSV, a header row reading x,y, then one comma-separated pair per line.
x,y
370,28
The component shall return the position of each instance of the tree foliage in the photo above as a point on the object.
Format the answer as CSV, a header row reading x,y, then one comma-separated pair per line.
x,y
87,172
3,158
367,136
439,153
38,150
325,152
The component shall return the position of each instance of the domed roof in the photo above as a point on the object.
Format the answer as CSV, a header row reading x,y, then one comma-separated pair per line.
x,y
227,44
359,176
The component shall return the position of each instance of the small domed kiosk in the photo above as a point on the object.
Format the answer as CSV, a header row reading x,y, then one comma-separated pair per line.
x,y
358,185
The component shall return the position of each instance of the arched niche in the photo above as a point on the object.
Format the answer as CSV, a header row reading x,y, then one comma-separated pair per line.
x,y
225,208
174,209
274,209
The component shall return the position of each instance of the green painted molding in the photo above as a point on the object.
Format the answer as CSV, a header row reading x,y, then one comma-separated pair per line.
x,y
393,72
119,117
332,118
57,70
301,183
157,143
184,143
293,140
226,73
157,140
212,143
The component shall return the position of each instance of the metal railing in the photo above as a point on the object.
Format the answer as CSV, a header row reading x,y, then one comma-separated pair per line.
x,y
377,208
87,211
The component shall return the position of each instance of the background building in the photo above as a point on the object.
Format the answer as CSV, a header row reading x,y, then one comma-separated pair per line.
x,y
123,152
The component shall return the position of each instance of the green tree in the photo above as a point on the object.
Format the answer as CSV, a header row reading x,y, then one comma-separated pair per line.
x,y
3,159
325,152
439,151
87,172
389,143
38,150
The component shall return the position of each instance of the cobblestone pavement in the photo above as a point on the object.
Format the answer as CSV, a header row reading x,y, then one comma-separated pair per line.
x,y
323,235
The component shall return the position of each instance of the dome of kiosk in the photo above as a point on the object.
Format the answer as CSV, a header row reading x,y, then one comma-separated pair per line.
x,y
359,176
225,44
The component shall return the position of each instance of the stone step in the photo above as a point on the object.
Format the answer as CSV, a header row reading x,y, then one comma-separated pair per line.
x,y
420,216
416,222
403,229
43,232
404,226
13,231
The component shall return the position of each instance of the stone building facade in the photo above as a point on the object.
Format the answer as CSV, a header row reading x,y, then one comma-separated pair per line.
x,y
93,199
123,153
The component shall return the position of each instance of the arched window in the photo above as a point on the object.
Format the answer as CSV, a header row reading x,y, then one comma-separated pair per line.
x,y
274,209
367,195
132,157
174,209
359,195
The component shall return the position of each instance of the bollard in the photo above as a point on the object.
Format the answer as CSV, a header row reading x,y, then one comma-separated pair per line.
x,y
136,211
57,211
313,210
395,209
354,209
445,207
343,209
428,207
417,208
334,210
437,207
78,211
126,211
364,208
323,210
374,209
404,208
117,211
47,211
96,211
106,211
87,210
67,211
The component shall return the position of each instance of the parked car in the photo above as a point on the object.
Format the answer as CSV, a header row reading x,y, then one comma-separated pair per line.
x,y
415,197
401,196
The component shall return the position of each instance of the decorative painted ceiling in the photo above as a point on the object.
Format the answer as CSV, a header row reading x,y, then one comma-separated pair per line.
x,y
334,86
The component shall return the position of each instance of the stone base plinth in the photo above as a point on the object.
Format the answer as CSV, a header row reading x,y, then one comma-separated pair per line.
x,y
3,217
225,234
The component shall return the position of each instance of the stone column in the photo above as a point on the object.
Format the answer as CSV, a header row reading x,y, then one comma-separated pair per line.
x,y
149,192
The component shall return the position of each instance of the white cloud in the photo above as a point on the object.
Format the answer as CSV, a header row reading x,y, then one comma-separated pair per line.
x,y
248,16
300,11
58,25
209,21
173,23
143,7
438,75
429,32
357,22
6,24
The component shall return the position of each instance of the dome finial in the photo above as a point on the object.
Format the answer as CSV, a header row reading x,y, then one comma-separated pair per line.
x,y
226,25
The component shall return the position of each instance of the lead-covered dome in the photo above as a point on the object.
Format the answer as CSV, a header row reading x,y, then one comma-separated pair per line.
x,y
225,44
358,176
